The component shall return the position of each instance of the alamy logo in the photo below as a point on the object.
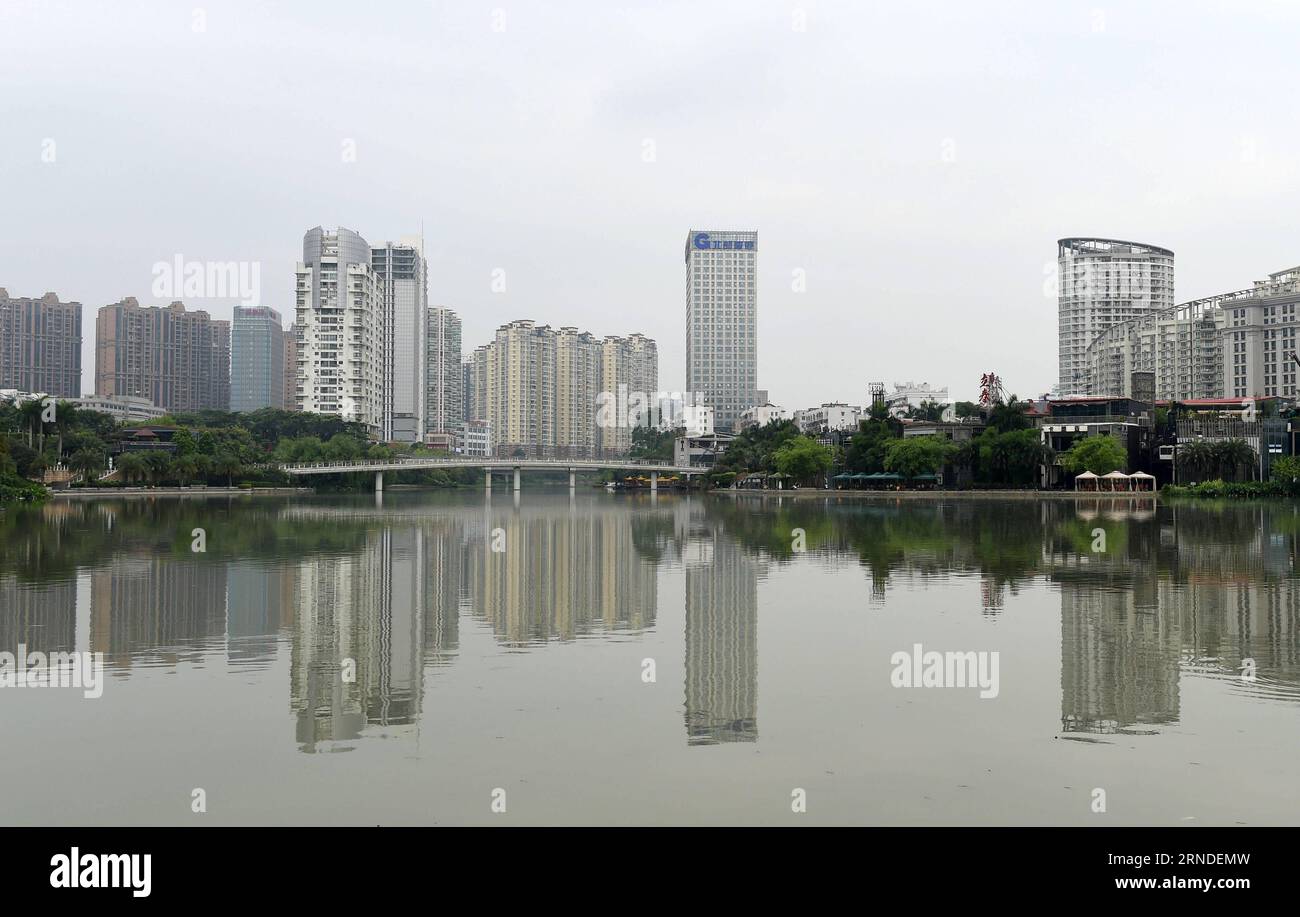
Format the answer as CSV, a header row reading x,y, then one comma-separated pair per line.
x,y
931,669
103,870
180,279
624,407
53,670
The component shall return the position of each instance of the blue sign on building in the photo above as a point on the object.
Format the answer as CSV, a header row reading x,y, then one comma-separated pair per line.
x,y
703,241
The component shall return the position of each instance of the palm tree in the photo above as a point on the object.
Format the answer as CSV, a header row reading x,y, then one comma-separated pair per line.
x,y
159,464
226,464
87,462
30,412
184,467
1196,460
132,466
1234,456
65,416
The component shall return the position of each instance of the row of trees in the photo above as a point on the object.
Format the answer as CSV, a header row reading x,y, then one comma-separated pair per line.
x,y
777,447
210,446
1007,453
1222,460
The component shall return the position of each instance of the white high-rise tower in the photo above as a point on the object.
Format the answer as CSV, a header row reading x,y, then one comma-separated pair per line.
x,y
402,275
722,322
1103,282
340,353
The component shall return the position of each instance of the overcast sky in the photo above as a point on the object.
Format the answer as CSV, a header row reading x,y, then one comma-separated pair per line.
x,y
916,161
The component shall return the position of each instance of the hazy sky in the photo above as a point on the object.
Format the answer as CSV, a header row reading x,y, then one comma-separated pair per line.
x,y
916,161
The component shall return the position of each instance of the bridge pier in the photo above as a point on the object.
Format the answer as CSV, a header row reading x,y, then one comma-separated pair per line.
x,y
654,482
573,481
516,479
379,482
487,480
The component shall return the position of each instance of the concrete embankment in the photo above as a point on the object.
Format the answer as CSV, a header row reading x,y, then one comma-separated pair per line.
x,y
113,493
814,494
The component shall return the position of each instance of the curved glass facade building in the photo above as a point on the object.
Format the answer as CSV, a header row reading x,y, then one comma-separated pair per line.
x,y
1103,282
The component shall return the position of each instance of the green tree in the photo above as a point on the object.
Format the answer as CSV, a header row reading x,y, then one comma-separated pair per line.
x,y
1286,469
929,410
802,458
65,418
1235,459
133,467
1009,416
1012,458
1100,454
22,456
87,462
916,455
184,441
754,448
183,467
159,465
1196,461
228,465
652,445
868,447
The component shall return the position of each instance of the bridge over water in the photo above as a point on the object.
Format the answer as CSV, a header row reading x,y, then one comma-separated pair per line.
x,y
492,466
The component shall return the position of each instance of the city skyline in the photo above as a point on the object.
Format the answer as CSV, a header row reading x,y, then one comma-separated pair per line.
x,y
524,117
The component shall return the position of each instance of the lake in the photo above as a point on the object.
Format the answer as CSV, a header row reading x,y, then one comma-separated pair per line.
x,y
452,658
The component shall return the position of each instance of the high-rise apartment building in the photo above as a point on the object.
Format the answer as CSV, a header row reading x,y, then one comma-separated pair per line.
x,y
562,393
476,371
340,322
521,388
578,380
1102,282
629,371
257,352
445,376
291,368
467,389
40,345
402,276
1234,345
722,322
178,360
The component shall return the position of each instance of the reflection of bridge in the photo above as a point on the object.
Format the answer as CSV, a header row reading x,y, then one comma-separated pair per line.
x,y
490,466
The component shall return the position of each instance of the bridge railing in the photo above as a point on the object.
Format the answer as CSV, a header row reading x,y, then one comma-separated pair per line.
x,y
476,462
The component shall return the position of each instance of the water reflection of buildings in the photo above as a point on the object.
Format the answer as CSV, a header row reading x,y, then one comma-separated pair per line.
x,y
559,577
41,617
1119,658
1186,592
146,607
721,641
365,625
381,603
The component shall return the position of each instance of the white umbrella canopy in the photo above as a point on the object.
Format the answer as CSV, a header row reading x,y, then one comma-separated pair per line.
x,y
1086,477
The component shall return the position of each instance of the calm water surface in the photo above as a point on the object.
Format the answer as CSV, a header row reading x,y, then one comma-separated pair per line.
x,y
526,668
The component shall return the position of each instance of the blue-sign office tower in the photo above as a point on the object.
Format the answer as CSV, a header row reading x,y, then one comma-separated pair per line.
x,y
256,359
722,322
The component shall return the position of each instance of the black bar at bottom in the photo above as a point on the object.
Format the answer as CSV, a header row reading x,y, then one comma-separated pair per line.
x,y
340,864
